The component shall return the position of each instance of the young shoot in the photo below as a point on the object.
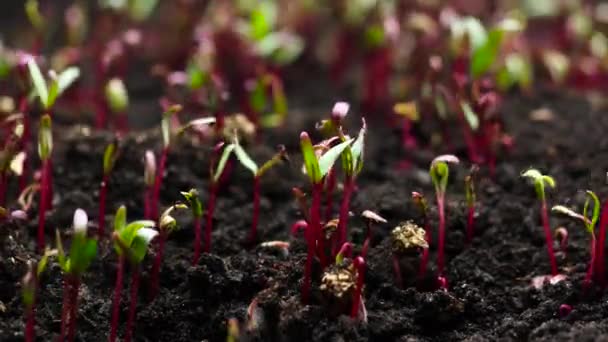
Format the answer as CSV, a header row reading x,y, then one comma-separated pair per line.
x,y
589,220
471,197
117,98
109,159
48,91
540,181
29,292
149,179
196,206
45,148
257,172
440,171
131,241
166,225
82,252
316,168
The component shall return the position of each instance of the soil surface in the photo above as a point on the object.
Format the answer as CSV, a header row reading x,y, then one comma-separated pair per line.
x,y
489,298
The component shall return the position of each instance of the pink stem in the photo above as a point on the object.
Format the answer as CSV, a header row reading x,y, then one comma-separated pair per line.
x,y
65,307
3,188
30,333
116,300
440,256
315,218
157,183
73,308
329,192
312,235
197,240
424,260
470,224
133,304
592,261
256,210
359,264
599,254
210,210
397,270
44,188
349,185
158,260
548,237
49,183
103,189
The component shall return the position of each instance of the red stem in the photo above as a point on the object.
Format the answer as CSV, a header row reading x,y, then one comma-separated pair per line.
x,y
210,210
592,260
30,333
116,300
49,183
197,240
65,307
25,141
359,264
133,304
3,188
599,254
311,239
75,282
315,218
101,217
157,183
470,224
147,203
397,270
329,193
440,256
548,237
256,210
44,188
162,237
349,185
424,260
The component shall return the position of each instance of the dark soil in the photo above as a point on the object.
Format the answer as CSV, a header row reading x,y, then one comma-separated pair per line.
x,y
490,296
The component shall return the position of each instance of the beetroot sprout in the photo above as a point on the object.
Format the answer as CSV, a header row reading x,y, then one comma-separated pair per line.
x,y
196,206
109,158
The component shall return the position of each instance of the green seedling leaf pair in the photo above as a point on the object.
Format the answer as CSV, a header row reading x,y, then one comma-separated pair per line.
x,y
117,95
540,181
440,171
30,280
168,223
48,92
194,202
82,249
589,219
318,167
249,164
166,124
45,137
132,239
352,157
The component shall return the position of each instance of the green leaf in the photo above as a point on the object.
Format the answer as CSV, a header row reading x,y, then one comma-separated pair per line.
x,y
440,171
263,19
131,230
39,82
117,95
310,159
140,10
222,163
82,253
109,157
140,244
591,196
45,137
484,56
120,220
328,158
257,98
244,158
61,258
66,78
357,149
470,115
193,202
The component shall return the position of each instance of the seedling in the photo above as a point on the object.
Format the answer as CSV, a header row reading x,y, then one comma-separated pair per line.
x,y
247,162
599,257
540,181
316,168
149,179
196,206
469,186
29,292
407,239
45,148
345,281
589,220
166,225
439,174
117,98
131,242
49,92
214,182
371,218
109,159
82,252
561,234
166,134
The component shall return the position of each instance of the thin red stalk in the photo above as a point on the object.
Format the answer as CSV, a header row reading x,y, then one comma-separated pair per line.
x,y
44,188
440,256
122,123
101,217
158,182
397,270
3,188
470,223
548,237
49,183
592,261
424,260
311,239
133,304
329,193
158,260
315,218
73,307
599,254
30,333
256,210
116,299
360,266
210,210
65,307
349,185
197,240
